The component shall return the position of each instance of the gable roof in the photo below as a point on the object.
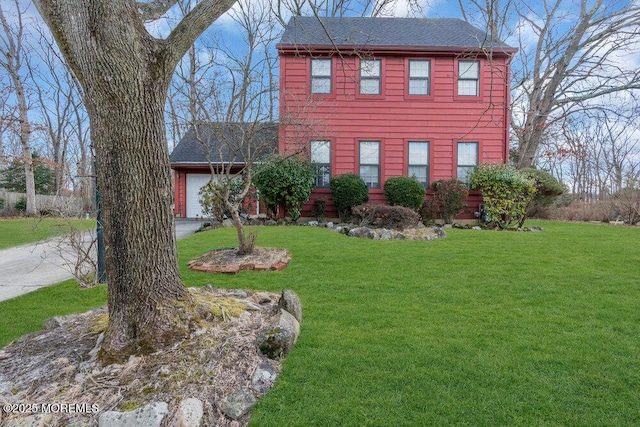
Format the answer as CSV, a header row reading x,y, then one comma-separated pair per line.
x,y
438,34
225,143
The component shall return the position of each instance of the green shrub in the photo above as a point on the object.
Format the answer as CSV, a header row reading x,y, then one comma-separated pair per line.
x,y
348,190
286,181
319,206
548,188
2,201
507,193
385,216
21,204
450,198
404,191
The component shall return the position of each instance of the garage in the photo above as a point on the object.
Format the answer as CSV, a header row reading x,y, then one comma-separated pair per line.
x,y
195,181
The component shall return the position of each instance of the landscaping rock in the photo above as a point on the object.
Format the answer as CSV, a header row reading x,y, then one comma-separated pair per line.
x,y
290,302
148,416
365,232
312,223
227,223
270,222
189,413
238,403
263,378
386,234
38,420
277,340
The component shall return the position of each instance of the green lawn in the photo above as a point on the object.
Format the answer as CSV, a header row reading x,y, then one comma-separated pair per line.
x,y
480,328
16,232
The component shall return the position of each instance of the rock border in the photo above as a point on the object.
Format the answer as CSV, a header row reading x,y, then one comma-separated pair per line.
x,y
198,265
190,411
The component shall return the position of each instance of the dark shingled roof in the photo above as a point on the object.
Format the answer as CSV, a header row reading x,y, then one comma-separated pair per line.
x,y
437,33
223,140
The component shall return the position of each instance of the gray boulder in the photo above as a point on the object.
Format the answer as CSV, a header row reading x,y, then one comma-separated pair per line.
x,y
263,378
237,403
189,413
290,301
277,340
149,416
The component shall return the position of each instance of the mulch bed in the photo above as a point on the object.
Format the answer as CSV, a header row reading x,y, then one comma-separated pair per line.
x,y
230,262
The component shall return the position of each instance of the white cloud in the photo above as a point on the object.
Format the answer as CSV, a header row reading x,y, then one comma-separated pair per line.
x,y
404,8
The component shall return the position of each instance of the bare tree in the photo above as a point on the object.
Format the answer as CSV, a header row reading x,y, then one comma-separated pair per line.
x,y
569,59
56,94
13,61
240,110
125,74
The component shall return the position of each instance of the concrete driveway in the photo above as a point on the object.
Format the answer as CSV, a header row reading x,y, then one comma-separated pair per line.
x,y
29,267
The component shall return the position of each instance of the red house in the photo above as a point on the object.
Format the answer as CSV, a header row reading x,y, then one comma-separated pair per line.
x,y
383,97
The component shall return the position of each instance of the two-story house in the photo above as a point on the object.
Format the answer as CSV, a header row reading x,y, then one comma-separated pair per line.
x,y
383,97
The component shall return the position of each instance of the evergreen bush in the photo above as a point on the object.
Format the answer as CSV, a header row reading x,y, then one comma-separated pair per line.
x,y
21,204
286,181
404,191
348,190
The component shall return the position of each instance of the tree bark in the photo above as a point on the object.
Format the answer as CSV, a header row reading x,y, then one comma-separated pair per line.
x,y
125,74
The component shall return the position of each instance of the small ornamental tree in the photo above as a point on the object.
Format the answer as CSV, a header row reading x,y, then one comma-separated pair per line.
x,y
404,191
449,197
285,181
348,190
213,205
507,193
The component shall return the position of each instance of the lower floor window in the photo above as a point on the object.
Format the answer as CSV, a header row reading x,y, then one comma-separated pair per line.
x,y
321,158
467,160
370,163
418,165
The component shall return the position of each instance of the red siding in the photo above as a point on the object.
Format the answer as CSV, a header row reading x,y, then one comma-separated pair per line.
x,y
394,117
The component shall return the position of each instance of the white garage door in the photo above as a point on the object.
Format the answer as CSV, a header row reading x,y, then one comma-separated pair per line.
x,y
194,182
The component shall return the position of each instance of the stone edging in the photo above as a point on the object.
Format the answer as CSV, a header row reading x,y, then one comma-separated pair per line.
x,y
198,265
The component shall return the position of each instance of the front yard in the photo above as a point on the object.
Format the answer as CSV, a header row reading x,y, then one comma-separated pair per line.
x,y
480,328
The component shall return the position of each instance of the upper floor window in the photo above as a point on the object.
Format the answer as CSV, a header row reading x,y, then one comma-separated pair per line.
x,y
418,166
419,77
370,163
370,76
321,75
469,78
321,157
467,160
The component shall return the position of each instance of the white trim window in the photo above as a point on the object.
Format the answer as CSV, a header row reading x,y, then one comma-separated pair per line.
x,y
419,77
321,76
468,78
370,76
370,163
320,156
467,160
418,162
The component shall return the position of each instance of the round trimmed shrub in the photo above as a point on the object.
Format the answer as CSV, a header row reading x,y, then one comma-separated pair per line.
x,y
404,191
348,190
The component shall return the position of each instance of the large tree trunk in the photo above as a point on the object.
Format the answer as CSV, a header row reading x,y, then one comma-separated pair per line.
x,y
125,81
148,305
